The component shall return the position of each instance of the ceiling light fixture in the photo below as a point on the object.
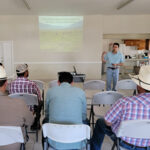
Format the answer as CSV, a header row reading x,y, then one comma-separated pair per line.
x,y
26,2
124,4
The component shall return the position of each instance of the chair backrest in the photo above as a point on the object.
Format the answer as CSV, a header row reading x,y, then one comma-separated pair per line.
x,y
107,97
134,129
53,83
10,135
94,85
126,84
29,99
66,133
39,83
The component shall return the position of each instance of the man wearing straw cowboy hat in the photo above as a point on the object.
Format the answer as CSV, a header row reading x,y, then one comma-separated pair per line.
x,y
127,108
13,112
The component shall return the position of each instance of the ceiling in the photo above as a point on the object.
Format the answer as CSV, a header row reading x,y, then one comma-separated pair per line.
x,y
73,7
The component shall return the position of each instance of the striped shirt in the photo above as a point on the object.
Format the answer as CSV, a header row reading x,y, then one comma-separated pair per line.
x,y
24,85
130,108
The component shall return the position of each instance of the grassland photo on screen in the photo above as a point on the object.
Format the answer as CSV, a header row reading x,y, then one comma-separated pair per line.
x,y
61,33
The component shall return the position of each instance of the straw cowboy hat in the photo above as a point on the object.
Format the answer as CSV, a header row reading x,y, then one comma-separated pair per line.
x,y
143,79
2,73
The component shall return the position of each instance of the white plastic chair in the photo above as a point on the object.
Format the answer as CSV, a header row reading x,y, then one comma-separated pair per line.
x,y
133,129
91,87
103,98
11,135
53,83
30,100
65,133
126,84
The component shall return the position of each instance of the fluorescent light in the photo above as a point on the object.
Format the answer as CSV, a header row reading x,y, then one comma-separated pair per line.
x,y
124,4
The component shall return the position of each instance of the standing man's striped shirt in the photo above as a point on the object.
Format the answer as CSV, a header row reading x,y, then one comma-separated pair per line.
x,y
130,108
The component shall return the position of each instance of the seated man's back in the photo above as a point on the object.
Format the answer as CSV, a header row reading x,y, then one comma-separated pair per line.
x,y
22,84
13,112
65,104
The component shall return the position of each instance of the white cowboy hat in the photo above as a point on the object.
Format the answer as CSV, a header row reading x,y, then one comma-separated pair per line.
x,y
2,73
143,79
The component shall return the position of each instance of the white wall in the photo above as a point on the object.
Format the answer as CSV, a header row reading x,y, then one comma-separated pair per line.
x,y
23,30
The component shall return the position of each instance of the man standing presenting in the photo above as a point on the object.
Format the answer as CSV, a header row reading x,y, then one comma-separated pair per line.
x,y
113,60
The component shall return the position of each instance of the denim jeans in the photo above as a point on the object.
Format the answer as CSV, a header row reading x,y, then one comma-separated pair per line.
x,y
112,74
99,133
129,147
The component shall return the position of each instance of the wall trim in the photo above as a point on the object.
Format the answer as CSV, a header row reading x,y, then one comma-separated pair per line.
x,y
58,62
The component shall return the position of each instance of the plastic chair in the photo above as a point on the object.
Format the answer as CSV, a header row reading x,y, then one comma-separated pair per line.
x,y
65,133
126,84
11,135
91,87
94,85
40,84
103,98
30,100
133,129
53,83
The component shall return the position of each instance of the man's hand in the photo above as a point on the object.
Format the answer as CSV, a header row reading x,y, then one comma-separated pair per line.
x,y
115,65
108,123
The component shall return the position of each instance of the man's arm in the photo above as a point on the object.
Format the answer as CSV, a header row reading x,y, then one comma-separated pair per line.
x,y
37,92
114,113
103,57
47,106
83,107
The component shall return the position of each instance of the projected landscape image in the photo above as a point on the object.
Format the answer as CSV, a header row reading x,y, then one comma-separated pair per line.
x,y
60,33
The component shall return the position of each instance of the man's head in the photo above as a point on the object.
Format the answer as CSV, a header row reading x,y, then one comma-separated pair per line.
x,y
65,77
3,79
22,70
115,47
143,79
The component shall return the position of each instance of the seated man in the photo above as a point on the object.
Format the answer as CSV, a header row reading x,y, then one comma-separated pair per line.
x,y
65,104
127,108
23,85
13,112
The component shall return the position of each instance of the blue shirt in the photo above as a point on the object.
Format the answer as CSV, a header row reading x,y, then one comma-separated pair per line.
x,y
112,58
65,104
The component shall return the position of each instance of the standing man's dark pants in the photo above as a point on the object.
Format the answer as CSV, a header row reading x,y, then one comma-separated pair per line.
x,y
99,133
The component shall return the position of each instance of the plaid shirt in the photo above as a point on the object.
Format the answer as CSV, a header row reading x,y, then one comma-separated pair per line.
x,y
24,85
130,108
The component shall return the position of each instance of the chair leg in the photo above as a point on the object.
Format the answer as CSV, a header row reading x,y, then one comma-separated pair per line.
x,y
90,115
22,147
88,145
118,147
43,102
92,119
46,144
36,135
114,144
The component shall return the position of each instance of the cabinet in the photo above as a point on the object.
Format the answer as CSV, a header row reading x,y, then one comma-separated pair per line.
x,y
140,44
